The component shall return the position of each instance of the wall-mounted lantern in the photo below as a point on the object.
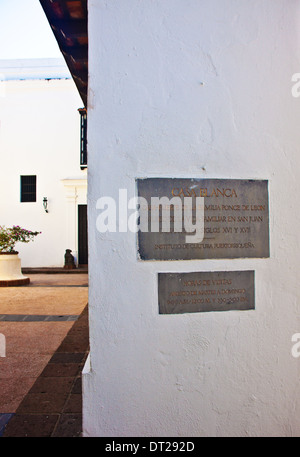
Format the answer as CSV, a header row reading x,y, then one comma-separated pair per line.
x,y
45,204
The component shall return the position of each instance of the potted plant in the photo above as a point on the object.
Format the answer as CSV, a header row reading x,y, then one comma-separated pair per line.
x,y
10,263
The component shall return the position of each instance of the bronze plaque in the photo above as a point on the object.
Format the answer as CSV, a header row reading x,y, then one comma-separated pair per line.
x,y
235,218
205,291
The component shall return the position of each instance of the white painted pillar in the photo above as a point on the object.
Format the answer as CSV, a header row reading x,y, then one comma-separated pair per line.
x,y
192,89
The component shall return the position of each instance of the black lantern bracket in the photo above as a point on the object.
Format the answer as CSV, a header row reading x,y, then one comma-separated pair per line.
x,y
45,204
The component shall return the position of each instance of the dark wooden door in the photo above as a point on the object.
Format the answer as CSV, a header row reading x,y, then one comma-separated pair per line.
x,y
82,235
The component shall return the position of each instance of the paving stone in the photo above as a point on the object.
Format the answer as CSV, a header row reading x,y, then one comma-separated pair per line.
x,y
12,392
31,425
61,369
73,404
77,386
36,318
74,344
4,419
53,385
37,300
69,425
12,317
42,403
68,357
23,365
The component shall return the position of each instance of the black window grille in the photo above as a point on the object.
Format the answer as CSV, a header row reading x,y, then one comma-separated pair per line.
x,y
83,138
28,188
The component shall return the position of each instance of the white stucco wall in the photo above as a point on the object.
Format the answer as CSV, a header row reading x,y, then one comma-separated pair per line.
x,y
40,135
193,89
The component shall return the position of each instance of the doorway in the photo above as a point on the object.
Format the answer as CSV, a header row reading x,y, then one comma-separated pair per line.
x,y
82,235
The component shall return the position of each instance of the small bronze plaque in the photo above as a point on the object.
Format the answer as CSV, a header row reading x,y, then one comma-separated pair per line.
x,y
205,291
235,219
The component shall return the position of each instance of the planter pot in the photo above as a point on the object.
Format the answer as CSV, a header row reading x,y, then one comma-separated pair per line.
x,y
10,270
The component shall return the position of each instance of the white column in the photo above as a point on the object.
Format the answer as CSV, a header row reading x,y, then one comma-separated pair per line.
x,y
75,191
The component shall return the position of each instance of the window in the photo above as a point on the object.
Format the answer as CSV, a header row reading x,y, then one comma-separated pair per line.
x,y
83,138
28,188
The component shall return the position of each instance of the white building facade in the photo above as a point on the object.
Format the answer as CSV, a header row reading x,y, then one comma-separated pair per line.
x,y
40,144
192,89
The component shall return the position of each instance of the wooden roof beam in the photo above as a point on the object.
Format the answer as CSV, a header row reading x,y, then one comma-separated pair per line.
x,y
70,29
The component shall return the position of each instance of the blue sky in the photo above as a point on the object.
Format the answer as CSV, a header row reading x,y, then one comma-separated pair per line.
x,y
25,32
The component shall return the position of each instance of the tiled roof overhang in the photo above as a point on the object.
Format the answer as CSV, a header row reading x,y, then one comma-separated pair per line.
x,y
68,21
